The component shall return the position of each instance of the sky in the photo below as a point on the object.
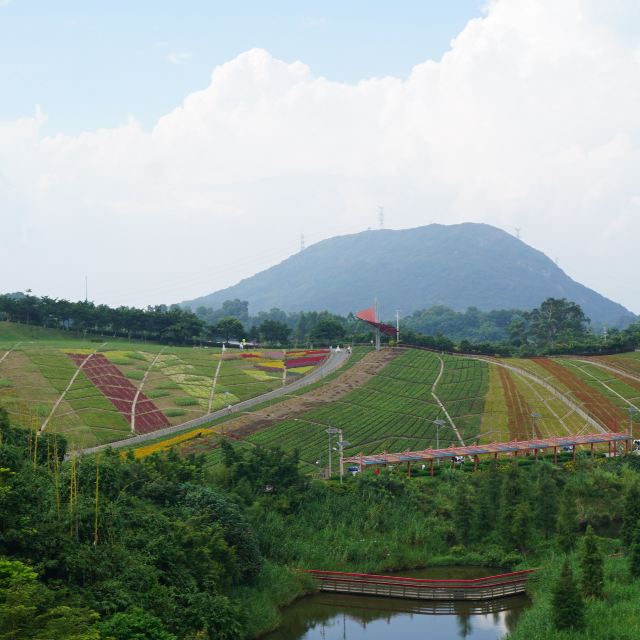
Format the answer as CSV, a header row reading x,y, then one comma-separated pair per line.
x,y
167,150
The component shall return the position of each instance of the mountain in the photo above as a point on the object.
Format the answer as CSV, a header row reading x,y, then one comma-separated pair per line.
x,y
459,266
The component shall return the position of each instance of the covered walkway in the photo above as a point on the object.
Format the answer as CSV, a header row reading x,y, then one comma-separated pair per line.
x,y
513,448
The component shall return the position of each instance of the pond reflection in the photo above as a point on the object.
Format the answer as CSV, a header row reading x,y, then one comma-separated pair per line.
x,y
329,616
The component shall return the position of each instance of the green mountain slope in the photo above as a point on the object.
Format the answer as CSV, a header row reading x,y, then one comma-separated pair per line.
x,y
458,266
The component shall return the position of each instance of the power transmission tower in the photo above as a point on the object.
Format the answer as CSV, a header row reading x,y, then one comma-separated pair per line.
x,y
381,217
302,242
518,233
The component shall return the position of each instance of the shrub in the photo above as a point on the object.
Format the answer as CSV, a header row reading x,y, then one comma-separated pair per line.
x,y
174,413
186,401
134,375
168,384
157,393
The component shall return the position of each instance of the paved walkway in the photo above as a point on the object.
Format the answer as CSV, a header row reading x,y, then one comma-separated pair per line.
x,y
333,362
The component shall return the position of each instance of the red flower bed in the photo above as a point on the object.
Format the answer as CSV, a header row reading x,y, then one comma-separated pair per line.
x,y
121,392
249,355
306,361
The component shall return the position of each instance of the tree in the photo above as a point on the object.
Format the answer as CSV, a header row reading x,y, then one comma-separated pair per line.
x,y
591,564
557,319
631,514
274,331
136,624
566,602
327,330
229,328
567,524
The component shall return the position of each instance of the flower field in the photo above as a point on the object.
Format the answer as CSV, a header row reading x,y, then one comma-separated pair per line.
x,y
41,384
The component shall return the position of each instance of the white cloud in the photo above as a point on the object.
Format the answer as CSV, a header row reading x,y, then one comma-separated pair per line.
x,y
530,120
179,57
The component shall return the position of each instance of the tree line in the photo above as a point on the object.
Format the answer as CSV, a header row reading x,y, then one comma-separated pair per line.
x,y
557,326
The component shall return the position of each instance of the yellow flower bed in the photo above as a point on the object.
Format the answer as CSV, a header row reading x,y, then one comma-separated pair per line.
x,y
165,445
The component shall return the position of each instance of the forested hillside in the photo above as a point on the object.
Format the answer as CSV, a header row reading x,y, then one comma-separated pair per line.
x,y
458,266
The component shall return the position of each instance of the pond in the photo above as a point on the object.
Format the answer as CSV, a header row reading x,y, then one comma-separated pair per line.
x,y
328,616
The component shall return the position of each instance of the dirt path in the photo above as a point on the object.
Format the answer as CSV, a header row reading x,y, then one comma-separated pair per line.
x,y
252,422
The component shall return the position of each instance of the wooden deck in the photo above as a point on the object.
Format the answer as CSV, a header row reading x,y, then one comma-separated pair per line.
x,y
478,589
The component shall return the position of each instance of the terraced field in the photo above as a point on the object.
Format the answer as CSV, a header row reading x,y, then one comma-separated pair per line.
x,y
395,410
98,392
477,399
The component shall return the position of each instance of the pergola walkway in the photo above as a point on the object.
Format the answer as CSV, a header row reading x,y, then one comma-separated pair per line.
x,y
513,448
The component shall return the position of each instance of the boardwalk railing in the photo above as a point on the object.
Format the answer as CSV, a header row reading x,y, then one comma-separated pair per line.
x,y
487,588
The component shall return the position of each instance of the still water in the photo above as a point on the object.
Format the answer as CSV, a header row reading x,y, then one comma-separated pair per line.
x,y
328,616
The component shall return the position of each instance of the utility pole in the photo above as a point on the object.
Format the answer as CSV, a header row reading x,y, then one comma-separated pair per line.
x,y
341,445
439,423
331,431
86,289
535,417
631,410
397,326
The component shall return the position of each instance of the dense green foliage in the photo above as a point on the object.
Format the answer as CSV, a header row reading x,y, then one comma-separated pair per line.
x,y
114,534
557,326
170,325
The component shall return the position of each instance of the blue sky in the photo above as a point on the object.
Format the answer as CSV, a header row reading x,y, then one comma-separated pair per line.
x,y
92,64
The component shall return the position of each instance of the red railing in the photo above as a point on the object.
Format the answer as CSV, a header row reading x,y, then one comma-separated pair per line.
x,y
484,588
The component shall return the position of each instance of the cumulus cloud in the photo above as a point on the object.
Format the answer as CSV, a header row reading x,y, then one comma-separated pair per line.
x,y
530,120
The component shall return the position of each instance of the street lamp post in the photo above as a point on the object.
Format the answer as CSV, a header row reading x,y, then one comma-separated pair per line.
x,y
535,417
631,409
439,423
332,432
341,445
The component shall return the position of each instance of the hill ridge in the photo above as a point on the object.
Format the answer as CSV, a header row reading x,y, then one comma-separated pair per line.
x,y
460,265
